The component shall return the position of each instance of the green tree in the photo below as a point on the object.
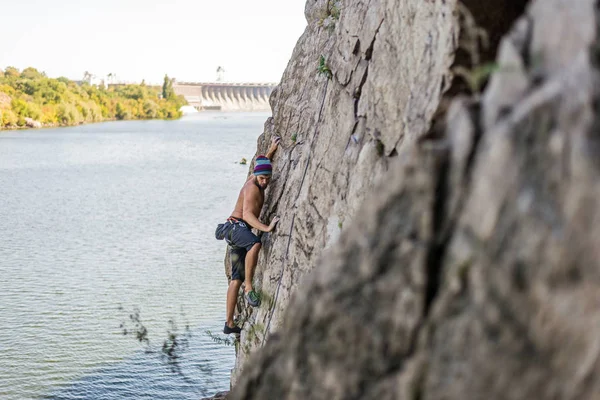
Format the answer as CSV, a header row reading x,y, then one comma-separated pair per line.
x,y
12,72
31,73
150,109
167,89
67,114
9,119
122,112
25,109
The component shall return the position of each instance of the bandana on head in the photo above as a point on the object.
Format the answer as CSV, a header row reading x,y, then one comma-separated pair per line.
x,y
263,166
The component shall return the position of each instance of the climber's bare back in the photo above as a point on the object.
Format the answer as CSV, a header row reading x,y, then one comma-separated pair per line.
x,y
251,197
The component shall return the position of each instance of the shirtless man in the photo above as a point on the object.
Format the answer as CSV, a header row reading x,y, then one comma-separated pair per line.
x,y
243,244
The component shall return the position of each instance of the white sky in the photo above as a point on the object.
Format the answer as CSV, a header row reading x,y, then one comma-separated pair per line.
x,y
144,39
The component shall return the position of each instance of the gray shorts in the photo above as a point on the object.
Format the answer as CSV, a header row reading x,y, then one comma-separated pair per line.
x,y
240,239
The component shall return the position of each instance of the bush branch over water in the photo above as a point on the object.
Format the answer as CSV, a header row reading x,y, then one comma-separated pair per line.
x,y
30,96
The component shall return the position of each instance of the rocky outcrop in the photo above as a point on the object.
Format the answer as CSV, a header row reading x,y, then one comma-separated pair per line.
x,y
31,123
472,269
218,396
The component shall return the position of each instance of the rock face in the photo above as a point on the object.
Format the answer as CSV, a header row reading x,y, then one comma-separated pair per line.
x,y
389,63
472,268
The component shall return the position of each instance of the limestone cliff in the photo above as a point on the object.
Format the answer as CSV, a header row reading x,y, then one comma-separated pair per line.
x,y
468,262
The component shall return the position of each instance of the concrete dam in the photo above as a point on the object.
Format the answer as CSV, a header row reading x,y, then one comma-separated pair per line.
x,y
226,96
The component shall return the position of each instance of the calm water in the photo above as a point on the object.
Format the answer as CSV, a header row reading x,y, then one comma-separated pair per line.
x,y
99,221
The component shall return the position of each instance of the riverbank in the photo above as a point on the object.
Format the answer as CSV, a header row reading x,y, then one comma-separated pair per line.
x,y
33,124
29,99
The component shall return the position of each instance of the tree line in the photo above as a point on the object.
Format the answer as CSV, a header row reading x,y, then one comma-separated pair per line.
x,y
30,94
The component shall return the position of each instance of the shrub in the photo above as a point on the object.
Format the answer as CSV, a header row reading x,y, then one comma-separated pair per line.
x,y
9,118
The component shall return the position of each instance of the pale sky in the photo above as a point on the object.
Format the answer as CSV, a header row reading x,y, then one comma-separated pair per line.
x,y
146,39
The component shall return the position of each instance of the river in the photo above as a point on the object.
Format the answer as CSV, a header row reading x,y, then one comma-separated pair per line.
x,y
107,225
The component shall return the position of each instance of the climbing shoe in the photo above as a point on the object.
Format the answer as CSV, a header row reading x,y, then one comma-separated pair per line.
x,y
227,330
252,298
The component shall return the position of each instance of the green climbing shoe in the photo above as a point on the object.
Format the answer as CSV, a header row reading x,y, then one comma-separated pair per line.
x,y
252,298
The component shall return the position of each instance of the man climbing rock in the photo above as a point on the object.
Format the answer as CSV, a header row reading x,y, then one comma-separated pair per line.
x,y
243,244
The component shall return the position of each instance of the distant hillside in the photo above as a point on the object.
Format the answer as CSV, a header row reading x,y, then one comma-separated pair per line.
x,y
29,98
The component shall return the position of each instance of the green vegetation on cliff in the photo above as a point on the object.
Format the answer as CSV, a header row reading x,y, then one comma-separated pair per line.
x,y
30,94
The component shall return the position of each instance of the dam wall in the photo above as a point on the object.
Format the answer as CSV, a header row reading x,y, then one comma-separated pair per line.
x,y
226,96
